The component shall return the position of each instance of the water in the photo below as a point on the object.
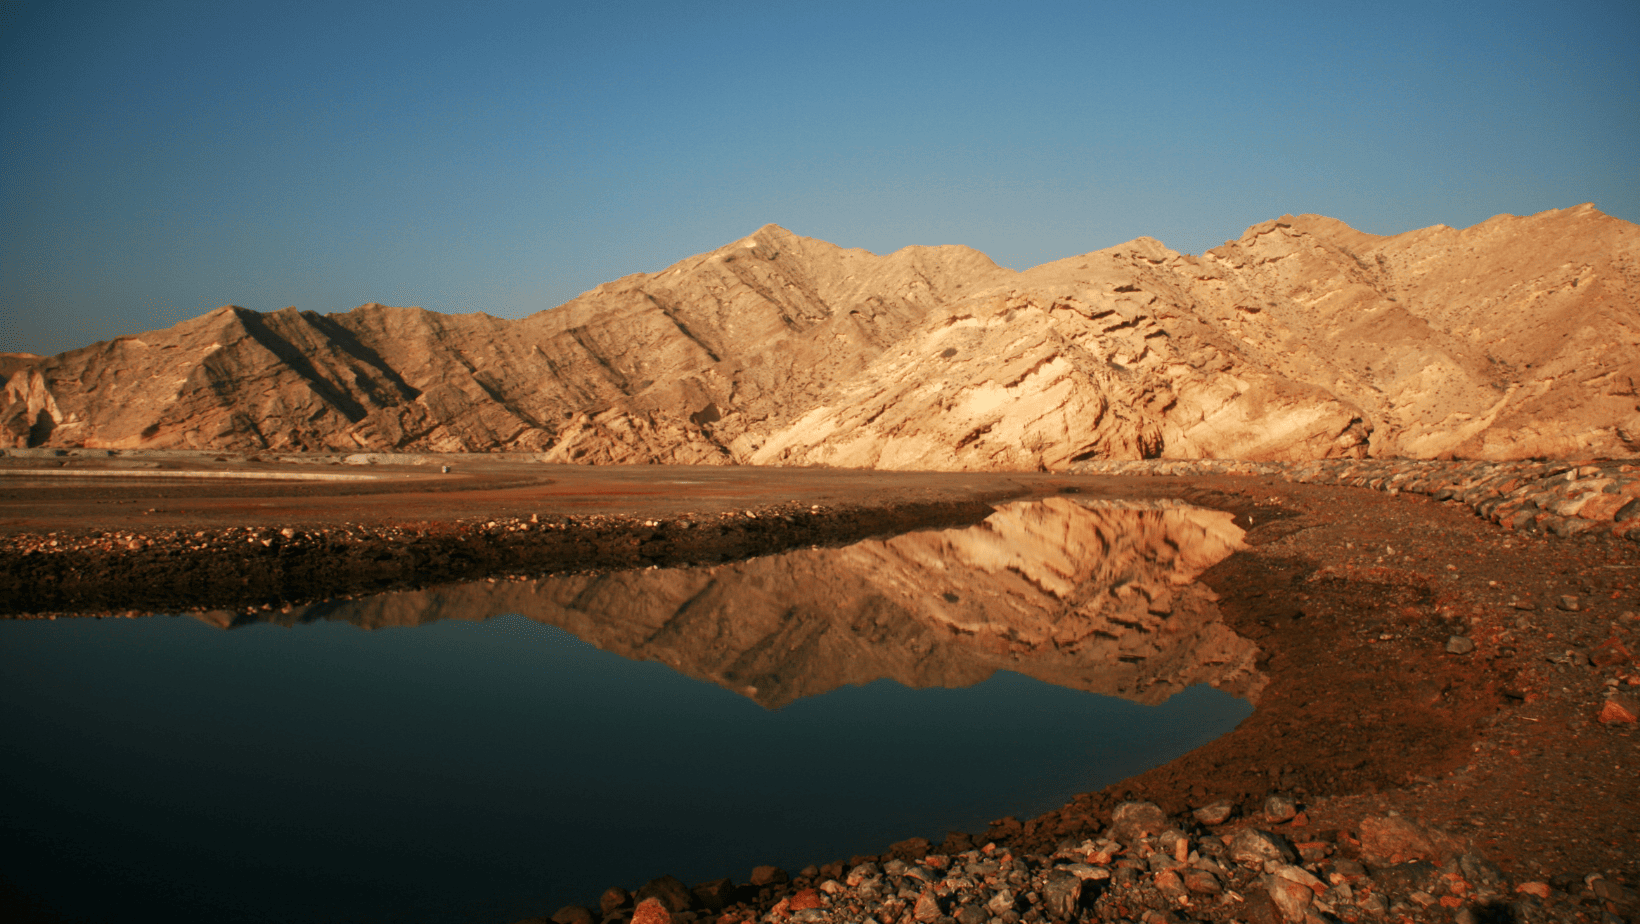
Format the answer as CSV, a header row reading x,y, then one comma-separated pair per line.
x,y
493,751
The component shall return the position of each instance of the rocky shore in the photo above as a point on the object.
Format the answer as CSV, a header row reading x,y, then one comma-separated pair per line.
x,y
1564,498
1215,863
262,567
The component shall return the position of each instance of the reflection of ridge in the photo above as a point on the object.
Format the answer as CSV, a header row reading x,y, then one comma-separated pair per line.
x,y
1092,597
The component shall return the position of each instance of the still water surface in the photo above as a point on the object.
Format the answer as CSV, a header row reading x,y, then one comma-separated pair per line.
x,y
472,759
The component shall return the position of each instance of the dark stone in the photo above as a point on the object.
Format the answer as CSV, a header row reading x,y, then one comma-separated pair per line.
x,y
927,909
1200,880
1214,847
1130,821
972,914
669,891
1260,908
1163,861
573,914
923,875
1480,871
1627,512
768,875
1061,894
1565,882
1215,813
1252,847
912,848
1609,891
1412,876
715,895
1279,808
614,899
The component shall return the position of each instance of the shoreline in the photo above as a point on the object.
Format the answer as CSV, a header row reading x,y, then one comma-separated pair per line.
x,y
1504,731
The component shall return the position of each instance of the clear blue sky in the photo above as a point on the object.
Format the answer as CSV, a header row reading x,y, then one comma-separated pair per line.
x,y
160,159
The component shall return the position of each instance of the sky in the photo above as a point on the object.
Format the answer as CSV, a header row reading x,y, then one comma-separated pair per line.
x,y
161,159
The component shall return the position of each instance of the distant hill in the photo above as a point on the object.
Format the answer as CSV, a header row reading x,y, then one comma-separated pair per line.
x,y
1303,339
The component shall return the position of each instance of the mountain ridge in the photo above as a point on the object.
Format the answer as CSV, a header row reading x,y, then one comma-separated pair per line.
x,y
1304,338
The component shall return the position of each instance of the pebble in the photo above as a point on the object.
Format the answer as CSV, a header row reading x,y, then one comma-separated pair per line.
x,y
1215,813
1133,820
1253,848
1538,889
1291,898
1200,880
1620,709
1459,645
1278,808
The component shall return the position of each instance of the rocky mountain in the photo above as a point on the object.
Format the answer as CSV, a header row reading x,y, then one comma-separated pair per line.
x,y
1091,596
1515,338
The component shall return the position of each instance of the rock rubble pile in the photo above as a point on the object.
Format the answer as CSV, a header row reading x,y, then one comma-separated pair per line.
x,y
1268,866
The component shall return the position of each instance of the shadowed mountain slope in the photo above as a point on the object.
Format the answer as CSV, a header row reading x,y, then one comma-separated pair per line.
x,y
1303,339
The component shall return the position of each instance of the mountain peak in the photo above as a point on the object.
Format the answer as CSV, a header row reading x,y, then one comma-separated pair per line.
x,y
1305,338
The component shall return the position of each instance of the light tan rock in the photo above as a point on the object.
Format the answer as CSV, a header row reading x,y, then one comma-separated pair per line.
x,y
1619,709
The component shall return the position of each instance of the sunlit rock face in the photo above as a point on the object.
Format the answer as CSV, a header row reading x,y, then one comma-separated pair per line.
x,y
1303,339
1094,597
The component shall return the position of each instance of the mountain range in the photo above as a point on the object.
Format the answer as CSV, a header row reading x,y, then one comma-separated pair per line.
x,y
1518,337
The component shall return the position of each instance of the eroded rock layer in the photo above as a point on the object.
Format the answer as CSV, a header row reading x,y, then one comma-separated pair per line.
x,y
1304,339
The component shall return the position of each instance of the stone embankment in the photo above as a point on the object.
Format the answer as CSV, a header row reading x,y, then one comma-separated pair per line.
x,y
1269,866
1559,497
259,568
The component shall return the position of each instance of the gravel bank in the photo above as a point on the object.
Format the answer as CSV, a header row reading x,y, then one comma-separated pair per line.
x,y
268,567
1563,498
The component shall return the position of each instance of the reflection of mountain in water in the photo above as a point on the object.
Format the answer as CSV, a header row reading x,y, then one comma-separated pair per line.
x,y
1092,597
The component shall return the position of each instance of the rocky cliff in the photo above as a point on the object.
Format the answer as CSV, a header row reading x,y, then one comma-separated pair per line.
x,y
1303,339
